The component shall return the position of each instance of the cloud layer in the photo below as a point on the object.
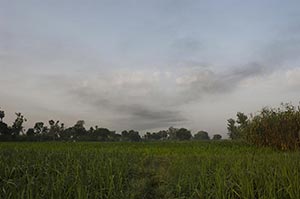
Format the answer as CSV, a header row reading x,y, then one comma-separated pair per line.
x,y
146,65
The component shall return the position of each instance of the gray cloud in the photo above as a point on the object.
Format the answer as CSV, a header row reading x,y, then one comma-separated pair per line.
x,y
249,70
131,102
145,113
200,83
147,99
143,117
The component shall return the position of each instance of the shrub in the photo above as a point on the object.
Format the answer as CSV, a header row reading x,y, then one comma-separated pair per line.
x,y
275,127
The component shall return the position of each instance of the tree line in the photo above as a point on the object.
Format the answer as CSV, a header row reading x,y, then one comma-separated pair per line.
x,y
57,131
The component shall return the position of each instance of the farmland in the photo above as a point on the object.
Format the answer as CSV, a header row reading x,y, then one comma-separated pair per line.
x,y
212,169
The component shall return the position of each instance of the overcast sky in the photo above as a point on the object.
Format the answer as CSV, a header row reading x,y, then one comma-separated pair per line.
x,y
146,65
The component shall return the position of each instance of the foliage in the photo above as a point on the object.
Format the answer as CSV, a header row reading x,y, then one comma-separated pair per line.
x,y
56,131
172,133
160,135
131,135
39,128
201,135
236,128
4,130
276,127
2,115
179,134
17,126
217,137
103,134
183,134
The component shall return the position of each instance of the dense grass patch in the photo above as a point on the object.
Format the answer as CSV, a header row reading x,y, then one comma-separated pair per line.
x,y
147,170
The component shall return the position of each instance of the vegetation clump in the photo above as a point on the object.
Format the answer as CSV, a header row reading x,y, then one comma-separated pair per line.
x,y
271,127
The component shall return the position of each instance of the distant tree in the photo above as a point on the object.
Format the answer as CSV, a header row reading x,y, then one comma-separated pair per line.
x,y
80,124
201,135
232,129
17,126
236,128
151,136
183,134
117,137
172,133
30,132
4,130
51,122
54,130
91,130
76,132
242,119
101,134
134,136
2,115
131,135
79,128
124,134
45,130
62,127
68,134
217,137
39,128
161,135
147,136
113,136
179,134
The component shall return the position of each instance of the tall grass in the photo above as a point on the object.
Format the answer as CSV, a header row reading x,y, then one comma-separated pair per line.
x,y
147,170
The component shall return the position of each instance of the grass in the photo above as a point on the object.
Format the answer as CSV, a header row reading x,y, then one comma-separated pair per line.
x,y
147,170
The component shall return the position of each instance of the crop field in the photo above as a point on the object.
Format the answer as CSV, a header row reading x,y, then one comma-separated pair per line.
x,y
221,169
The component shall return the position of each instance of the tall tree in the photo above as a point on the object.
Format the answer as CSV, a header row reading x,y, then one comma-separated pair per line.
x,y
4,130
17,126
2,115
79,128
55,129
236,128
232,129
172,133
242,120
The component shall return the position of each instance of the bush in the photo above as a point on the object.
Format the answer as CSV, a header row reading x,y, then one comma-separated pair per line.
x,y
279,128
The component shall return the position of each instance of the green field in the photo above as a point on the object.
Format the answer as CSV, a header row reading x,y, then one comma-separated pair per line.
x,y
147,170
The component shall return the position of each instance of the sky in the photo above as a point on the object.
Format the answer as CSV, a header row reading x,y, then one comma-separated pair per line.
x,y
147,65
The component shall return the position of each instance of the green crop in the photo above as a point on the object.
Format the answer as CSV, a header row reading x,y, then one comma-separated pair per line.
x,y
147,170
